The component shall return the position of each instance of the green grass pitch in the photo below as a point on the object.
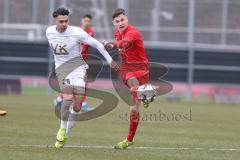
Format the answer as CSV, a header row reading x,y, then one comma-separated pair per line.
x,y
196,131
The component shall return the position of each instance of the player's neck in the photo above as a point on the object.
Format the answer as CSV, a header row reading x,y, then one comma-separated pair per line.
x,y
85,27
59,30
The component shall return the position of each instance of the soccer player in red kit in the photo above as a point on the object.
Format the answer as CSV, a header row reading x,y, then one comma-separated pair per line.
x,y
86,25
134,69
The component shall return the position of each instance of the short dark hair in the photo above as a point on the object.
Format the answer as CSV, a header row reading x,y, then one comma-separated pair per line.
x,y
118,12
60,11
87,16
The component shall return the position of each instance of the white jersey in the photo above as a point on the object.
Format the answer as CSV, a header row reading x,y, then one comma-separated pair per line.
x,y
66,45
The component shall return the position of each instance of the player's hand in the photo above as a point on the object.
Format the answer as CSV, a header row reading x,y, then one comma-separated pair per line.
x,y
108,45
104,42
114,65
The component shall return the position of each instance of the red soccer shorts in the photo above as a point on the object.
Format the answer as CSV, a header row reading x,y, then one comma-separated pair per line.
x,y
141,75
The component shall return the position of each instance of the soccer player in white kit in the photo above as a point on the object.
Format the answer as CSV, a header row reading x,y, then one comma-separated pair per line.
x,y
70,67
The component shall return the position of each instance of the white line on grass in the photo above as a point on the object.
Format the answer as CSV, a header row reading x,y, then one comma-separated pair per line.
x,y
137,148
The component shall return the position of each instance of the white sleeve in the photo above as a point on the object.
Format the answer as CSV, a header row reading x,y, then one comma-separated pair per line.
x,y
47,31
87,39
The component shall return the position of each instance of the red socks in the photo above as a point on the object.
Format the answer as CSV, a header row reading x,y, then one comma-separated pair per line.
x,y
134,120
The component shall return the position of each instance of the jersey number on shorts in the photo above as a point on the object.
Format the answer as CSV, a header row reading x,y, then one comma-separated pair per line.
x,y
66,81
59,49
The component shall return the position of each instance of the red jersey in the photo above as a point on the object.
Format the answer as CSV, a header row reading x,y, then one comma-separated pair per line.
x,y
135,54
134,58
85,47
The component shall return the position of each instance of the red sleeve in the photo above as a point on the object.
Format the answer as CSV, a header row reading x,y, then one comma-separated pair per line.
x,y
130,37
91,33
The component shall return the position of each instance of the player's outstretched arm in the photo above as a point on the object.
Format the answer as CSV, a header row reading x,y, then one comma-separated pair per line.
x,y
99,46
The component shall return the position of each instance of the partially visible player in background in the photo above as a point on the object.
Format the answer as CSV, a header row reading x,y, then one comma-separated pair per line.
x,y
134,70
86,25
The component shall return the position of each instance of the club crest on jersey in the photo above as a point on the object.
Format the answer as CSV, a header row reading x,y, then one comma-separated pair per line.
x,y
59,49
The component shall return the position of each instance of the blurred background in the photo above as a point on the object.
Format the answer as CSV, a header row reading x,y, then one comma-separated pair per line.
x,y
198,40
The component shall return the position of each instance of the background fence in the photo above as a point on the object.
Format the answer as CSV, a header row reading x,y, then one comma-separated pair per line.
x,y
211,21
202,36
